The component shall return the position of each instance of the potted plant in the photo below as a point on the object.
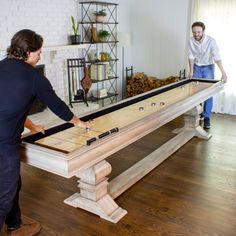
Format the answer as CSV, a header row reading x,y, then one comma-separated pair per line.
x,y
103,35
75,38
100,15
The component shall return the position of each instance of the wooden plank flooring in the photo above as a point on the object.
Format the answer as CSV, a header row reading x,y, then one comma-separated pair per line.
x,y
193,193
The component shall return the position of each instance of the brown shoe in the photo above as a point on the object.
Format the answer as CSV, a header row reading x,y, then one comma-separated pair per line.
x,y
29,227
2,233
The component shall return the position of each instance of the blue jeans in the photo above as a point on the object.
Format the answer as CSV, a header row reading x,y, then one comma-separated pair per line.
x,y
10,185
206,72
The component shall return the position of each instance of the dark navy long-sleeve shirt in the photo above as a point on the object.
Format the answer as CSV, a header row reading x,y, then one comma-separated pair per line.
x,y
20,83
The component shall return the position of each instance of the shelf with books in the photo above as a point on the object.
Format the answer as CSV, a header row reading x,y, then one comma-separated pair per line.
x,y
100,37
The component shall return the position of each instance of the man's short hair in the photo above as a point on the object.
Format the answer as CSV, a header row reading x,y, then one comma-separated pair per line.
x,y
200,24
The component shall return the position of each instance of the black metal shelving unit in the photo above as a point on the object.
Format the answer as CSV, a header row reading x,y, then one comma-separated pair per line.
x,y
90,26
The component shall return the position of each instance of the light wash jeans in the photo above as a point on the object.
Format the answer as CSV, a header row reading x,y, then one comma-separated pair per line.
x,y
207,72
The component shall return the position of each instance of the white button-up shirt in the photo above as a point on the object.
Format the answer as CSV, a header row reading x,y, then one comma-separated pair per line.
x,y
204,52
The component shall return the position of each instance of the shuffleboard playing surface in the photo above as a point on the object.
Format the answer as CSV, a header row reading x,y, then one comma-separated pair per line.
x,y
74,138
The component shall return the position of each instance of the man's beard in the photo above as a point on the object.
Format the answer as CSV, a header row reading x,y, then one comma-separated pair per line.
x,y
199,38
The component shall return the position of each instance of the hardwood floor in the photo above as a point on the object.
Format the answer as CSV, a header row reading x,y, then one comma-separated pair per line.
x,y
193,193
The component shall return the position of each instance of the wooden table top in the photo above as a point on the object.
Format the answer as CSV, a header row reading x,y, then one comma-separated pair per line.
x,y
74,138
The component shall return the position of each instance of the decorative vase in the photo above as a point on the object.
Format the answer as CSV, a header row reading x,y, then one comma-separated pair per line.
x,y
94,37
75,39
103,39
103,56
100,19
92,55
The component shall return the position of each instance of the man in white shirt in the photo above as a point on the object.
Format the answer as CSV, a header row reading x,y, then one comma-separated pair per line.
x,y
203,53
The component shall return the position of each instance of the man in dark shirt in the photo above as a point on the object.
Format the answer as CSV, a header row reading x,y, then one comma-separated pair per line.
x,y
20,84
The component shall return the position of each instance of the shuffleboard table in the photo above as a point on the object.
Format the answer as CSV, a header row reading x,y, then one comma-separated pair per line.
x,y
69,151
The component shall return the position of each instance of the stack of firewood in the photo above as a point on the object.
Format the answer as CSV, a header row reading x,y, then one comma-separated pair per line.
x,y
140,83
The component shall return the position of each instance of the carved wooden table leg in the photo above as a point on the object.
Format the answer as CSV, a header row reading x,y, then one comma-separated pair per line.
x,y
191,122
93,196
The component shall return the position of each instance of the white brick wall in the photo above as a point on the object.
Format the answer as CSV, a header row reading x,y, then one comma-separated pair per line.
x,y
51,19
